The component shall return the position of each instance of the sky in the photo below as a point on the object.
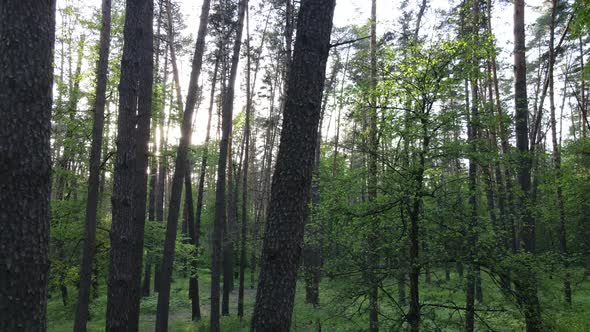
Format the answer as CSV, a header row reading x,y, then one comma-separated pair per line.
x,y
347,12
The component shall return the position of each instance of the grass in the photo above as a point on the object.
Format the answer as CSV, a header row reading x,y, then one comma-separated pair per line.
x,y
342,311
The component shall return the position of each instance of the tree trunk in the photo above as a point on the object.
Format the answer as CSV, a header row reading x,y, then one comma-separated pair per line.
x,y
266,171
130,178
65,186
292,178
153,178
171,46
27,34
93,180
372,238
189,216
312,247
180,172
220,190
527,285
244,224
414,208
287,57
473,137
228,233
162,168
194,281
153,171
567,291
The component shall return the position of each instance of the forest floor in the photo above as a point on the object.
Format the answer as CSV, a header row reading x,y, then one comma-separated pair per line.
x,y
342,309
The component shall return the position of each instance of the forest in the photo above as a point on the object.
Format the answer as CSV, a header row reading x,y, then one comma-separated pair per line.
x,y
282,165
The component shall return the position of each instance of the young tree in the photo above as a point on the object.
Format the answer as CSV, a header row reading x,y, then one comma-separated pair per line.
x,y
93,180
130,178
27,32
292,178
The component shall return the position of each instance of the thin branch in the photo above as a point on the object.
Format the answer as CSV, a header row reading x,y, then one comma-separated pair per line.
x,y
349,41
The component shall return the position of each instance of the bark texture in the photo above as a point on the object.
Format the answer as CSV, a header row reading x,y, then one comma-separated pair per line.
x,y
291,184
26,80
130,178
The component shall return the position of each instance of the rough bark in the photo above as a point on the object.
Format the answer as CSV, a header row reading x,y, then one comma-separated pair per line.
x,y
180,171
290,192
26,81
93,180
130,178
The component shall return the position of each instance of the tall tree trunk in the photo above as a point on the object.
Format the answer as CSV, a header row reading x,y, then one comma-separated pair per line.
x,y
194,281
413,315
526,285
130,178
93,180
312,248
27,34
290,192
193,233
220,190
507,175
65,188
583,104
567,291
252,90
414,208
287,57
172,47
180,172
153,171
340,107
473,137
162,167
372,238
228,232
266,171
244,224
153,179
